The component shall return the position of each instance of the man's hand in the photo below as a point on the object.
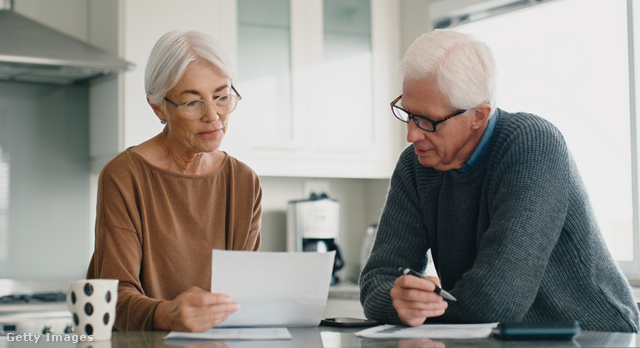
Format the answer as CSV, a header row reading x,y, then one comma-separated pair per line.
x,y
195,310
415,300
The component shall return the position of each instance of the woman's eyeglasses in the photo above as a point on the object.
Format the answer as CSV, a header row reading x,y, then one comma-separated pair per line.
x,y
224,105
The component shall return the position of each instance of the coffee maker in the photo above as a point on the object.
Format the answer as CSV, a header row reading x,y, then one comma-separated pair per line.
x,y
313,225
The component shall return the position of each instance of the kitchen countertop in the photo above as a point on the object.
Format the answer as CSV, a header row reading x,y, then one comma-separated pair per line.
x,y
315,337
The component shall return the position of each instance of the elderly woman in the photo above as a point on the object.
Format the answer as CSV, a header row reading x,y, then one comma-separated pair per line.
x,y
165,204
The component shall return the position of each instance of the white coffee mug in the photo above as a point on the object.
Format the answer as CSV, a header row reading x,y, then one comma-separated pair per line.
x,y
92,303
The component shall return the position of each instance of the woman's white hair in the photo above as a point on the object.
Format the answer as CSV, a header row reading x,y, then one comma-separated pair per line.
x,y
463,67
173,53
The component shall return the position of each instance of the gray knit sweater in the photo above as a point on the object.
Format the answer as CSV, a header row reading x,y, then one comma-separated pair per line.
x,y
513,239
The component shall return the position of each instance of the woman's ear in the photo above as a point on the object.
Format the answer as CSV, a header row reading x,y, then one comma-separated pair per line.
x,y
158,111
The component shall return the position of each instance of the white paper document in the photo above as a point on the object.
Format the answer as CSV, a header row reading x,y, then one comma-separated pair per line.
x,y
273,288
233,334
429,331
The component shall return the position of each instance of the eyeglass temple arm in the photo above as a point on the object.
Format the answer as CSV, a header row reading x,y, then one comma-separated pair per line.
x,y
236,91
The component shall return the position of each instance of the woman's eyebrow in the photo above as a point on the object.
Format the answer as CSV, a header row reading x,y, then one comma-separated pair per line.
x,y
190,91
222,87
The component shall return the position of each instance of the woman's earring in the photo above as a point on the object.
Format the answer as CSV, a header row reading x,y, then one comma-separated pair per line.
x,y
163,121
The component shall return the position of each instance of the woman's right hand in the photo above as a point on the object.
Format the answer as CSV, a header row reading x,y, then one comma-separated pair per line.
x,y
195,310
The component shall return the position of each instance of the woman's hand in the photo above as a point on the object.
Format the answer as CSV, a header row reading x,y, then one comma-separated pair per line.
x,y
195,310
415,300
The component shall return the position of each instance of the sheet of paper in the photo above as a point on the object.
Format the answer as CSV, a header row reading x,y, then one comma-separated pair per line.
x,y
273,288
429,331
233,334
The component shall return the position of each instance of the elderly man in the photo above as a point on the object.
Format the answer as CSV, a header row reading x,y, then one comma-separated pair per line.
x,y
497,199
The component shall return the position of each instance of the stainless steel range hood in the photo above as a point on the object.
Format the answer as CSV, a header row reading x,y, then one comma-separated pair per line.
x,y
32,52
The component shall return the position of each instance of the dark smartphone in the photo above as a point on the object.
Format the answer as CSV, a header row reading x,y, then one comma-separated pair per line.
x,y
537,331
348,322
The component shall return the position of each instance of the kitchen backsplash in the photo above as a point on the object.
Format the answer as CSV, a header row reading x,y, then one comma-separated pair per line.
x,y
44,181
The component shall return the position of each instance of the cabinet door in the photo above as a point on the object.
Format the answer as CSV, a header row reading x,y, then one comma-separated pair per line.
x,y
263,120
345,123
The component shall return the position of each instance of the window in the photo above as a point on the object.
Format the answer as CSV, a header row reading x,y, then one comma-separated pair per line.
x,y
569,62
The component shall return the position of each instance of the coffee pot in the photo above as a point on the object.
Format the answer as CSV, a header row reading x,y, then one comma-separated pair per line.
x,y
313,225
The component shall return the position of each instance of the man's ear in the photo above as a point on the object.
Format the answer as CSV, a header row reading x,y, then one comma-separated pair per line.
x,y
157,110
481,115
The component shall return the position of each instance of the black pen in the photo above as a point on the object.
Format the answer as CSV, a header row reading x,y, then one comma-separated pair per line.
x,y
439,291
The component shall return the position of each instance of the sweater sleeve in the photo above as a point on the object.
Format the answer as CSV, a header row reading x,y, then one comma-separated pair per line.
x,y
527,203
118,254
134,310
401,241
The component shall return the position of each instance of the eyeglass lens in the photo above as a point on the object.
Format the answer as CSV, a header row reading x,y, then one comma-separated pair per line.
x,y
406,117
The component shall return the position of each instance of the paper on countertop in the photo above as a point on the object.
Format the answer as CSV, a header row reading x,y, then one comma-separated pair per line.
x,y
233,334
273,288
429,331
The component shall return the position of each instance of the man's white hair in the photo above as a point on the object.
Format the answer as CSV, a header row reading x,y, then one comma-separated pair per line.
x,y
463,67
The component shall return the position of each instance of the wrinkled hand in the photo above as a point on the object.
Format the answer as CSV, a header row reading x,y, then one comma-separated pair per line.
x,y
415,300
195,310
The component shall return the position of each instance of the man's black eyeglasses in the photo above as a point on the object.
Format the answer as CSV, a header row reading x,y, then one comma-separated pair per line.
x,y
422,122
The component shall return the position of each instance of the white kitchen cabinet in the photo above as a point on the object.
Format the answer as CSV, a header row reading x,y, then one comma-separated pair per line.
x,y
309,109
316,78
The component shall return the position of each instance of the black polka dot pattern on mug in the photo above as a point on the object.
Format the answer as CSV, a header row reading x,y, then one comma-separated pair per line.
x,y
88,289
90,305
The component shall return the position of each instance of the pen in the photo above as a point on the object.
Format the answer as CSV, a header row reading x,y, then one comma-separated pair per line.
x,y
439,291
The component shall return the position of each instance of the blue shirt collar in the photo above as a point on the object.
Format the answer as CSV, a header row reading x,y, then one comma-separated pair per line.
x,y
482,145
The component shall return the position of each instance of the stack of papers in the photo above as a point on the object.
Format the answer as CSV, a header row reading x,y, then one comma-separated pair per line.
x,y
429,331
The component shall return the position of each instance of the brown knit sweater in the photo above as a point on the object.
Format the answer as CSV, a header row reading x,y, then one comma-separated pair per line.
x,y
155,230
